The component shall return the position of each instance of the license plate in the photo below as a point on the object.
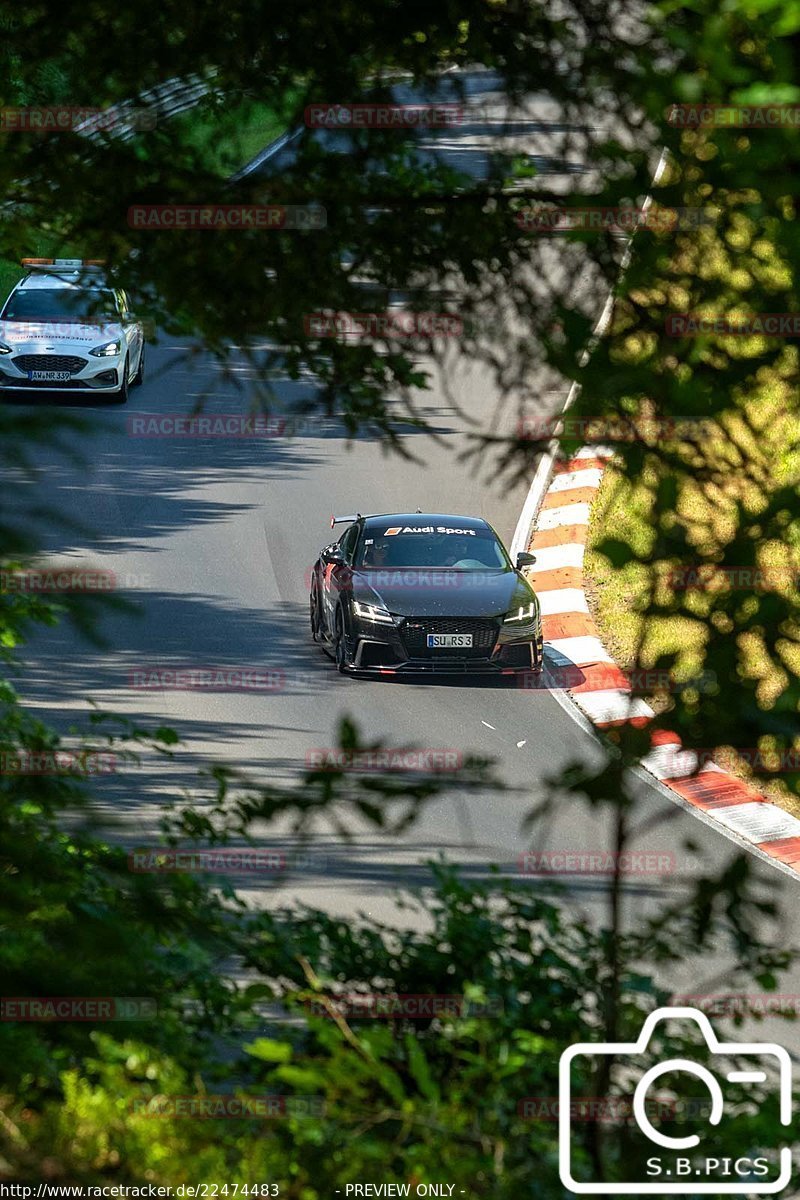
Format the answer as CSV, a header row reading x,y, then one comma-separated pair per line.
x,y
457,640
48,376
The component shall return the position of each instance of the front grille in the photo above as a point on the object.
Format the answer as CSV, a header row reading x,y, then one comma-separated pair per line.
x,y
414,631
49,362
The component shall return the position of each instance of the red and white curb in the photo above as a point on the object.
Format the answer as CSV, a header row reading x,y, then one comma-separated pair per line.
x,y
558,539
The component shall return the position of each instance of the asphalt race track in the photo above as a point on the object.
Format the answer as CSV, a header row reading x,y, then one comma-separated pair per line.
x,y
216,537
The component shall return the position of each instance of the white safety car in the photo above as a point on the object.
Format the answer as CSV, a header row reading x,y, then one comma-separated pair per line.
x,y
64,328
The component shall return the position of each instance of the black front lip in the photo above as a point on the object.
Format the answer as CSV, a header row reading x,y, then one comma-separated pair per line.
x,y
464,666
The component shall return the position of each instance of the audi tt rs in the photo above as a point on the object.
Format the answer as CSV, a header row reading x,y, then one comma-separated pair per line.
x,y
424,593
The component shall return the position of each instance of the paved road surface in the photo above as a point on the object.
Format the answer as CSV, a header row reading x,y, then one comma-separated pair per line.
x,y
220,534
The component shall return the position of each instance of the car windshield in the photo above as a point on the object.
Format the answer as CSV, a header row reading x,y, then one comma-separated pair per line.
x,y
61,304
438,546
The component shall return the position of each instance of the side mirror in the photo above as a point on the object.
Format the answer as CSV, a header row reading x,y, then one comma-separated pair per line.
x,y
332,554
525,560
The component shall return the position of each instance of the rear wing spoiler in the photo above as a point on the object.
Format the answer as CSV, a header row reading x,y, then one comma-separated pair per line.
x,y
345,520
354,517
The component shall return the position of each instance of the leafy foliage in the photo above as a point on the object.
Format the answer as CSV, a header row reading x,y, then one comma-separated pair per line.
x,y
417,1102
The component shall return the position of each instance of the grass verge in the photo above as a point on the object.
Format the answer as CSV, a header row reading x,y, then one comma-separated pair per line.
x,y
227,137
733,465
224,137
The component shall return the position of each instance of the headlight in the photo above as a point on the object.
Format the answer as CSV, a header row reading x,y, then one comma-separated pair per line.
x,y
4,349
524,615
371,612
107,350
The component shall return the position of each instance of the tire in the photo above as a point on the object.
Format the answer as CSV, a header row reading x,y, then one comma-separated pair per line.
x,y
313,604
121,395
339,646
138,378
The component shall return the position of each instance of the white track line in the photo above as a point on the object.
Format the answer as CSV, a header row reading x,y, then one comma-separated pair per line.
x,y
588,477
551,558
612,704
563,600
566,514
581,650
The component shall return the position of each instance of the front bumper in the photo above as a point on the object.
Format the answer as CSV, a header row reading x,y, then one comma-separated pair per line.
x,y
98,375
397,650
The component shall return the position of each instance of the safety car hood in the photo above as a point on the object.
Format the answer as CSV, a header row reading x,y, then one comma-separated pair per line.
x,y
39,337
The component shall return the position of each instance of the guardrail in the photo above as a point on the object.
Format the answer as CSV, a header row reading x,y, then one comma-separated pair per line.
x,y
129,117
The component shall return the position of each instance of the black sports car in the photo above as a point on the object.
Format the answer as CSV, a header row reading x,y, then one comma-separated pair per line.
x,y
424,592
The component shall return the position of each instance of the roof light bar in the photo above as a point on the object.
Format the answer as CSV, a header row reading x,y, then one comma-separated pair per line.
x,y
63,264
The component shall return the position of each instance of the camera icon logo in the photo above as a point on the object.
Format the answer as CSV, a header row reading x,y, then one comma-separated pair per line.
x,y
682,1167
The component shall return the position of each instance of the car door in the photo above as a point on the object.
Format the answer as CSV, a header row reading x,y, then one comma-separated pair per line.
x,y
131,330
336,575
